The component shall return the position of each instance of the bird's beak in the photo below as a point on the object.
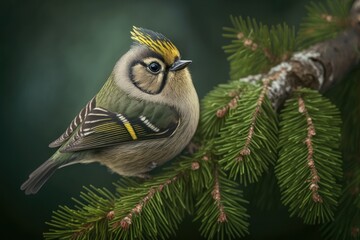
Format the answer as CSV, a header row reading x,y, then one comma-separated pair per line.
x,y
180,64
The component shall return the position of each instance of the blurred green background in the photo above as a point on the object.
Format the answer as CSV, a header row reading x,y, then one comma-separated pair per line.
x,y
55,55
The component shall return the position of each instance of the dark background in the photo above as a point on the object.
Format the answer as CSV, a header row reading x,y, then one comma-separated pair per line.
x,y
55,55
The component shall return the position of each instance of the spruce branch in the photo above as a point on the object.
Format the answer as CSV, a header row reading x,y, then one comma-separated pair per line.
x,y
153,209
245,150
126,221
254,42
346,224
324,21
309,165
322,65
89,217
217,105
315,179
239,139
246,145
222,209
318,67
217,198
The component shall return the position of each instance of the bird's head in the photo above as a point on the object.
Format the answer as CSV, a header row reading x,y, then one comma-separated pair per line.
x,y
153,65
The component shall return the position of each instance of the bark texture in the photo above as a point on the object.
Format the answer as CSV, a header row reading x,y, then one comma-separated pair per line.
x,y
318,67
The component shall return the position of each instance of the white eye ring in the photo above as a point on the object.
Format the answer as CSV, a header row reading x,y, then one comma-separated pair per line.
x,y
154,67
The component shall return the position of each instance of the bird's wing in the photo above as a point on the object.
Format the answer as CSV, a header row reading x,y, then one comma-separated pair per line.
x,y
103,128
74,124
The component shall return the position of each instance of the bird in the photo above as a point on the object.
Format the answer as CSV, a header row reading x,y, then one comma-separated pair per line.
x,y
144,115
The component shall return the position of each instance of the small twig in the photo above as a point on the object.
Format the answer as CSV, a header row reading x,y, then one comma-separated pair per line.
x,y
221,112
249,43
269,55
315,179
88,226
273,76
246,150
125,222
217,197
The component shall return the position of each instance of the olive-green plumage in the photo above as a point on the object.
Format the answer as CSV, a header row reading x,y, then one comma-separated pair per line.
x,y
120,102
144,115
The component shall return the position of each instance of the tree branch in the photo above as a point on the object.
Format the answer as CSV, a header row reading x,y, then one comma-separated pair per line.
x,y
125,222
246,150
217,197
318,67
315,179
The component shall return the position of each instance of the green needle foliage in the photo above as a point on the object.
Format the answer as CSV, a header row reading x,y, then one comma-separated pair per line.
x,y
324,21
347,220
88,218
243,144
345,224
247,143
148,210
152,210
222,209
256,47
309,165
217,104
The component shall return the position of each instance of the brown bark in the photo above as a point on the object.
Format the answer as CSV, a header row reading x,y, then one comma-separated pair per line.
x,y
318,67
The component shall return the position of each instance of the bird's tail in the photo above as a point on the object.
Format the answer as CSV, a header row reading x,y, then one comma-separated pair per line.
x,y
38,177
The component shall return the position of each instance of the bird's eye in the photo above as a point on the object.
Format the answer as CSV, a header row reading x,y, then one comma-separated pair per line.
x,y
154,67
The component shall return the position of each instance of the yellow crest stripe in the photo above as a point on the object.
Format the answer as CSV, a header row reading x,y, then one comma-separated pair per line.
x,y
157,43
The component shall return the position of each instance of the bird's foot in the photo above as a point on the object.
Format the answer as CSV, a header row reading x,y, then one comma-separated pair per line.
x,y
192,148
